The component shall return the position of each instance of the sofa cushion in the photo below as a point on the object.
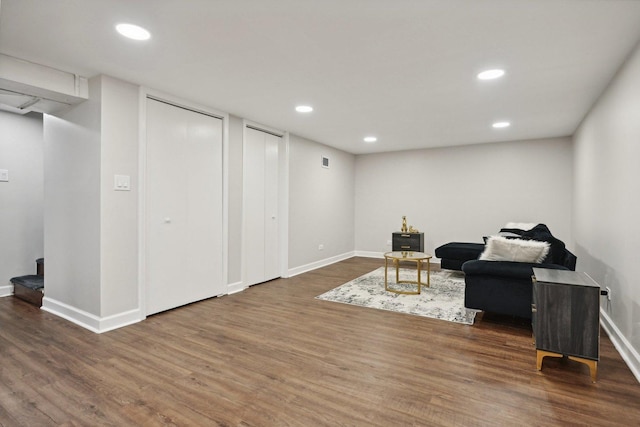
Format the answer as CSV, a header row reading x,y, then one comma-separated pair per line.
x,y
459,251
500,248
513,270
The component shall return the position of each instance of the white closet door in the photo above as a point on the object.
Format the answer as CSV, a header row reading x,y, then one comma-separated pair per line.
x,y
261,206
271,247
183,207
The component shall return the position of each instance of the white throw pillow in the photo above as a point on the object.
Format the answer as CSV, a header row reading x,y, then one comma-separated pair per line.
x,y
500,248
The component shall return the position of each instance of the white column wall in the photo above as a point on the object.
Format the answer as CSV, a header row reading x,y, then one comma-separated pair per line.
x,y
463,193
118,209
72,206
91,238
607,204
22,198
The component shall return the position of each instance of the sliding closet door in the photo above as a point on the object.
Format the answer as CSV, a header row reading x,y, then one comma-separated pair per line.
x,y
183,206
261,206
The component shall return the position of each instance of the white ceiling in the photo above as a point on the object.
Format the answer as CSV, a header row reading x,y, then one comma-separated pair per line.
x,y
402,70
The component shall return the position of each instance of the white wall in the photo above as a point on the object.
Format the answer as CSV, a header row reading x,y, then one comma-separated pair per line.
x,y
118,209
463,193
72,205
21,199
321,204
607,204
91,231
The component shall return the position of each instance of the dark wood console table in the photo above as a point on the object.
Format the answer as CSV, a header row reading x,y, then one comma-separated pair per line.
x,y
566,316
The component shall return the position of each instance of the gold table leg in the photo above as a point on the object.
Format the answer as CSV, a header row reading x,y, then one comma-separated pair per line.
x,y
428,272
418,282
386,265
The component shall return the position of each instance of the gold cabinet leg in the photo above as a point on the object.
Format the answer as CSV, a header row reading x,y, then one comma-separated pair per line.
x,y
593,368
540,354
592,364
539,361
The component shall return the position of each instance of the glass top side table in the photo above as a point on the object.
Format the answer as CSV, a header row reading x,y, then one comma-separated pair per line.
x,y
396,258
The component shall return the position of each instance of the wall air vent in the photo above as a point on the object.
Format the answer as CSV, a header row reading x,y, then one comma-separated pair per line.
x,y
325,162
26,86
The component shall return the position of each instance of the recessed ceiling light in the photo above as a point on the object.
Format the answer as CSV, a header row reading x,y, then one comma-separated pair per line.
x,y
491,74
133,31
370,139
501,124
304,109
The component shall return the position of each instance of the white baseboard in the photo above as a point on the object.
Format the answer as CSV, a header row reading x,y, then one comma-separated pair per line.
x,y
90,321
624,347
233,288
368,254
318,264
6,291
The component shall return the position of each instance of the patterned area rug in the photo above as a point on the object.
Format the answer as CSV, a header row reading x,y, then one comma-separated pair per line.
x,y
444,300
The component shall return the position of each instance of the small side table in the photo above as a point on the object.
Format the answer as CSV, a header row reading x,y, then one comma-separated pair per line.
x,y
418,258
407,242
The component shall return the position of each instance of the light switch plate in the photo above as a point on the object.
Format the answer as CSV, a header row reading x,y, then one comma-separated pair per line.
x,y
4,175
121,183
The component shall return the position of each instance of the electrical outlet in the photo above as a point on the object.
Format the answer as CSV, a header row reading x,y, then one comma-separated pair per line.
x,y
388,242
608,293
320,247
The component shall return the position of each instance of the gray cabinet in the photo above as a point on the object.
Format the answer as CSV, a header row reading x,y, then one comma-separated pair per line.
x,y
413,242
565,316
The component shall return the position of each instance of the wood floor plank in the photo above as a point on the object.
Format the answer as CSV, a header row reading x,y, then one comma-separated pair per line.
x,y
273,355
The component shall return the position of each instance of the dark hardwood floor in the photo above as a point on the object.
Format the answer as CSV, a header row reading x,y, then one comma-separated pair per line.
x,y
273,355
